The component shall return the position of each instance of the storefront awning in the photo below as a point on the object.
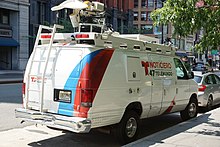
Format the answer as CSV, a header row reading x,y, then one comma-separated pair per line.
x,y
8,42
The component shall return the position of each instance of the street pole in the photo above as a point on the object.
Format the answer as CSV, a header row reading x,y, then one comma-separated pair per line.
x,y
162,26
162,40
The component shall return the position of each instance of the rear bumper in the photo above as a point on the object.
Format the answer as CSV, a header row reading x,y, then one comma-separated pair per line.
x,y
202,99
73,124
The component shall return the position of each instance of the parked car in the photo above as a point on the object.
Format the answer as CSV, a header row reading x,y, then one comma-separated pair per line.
x,y
209,89
199,66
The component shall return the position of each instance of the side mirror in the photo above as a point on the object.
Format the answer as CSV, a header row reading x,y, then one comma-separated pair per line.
x,y
190,74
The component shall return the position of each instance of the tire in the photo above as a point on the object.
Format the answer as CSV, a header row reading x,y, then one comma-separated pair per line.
x,y
209,104
127,130
190,111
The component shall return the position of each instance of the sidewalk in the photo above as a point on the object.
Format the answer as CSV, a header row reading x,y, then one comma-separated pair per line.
x,y
202,131
11,76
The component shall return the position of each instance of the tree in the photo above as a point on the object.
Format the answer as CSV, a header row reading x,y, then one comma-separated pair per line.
x,y
189,16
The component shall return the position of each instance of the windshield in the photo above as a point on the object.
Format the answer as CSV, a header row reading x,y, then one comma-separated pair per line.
x,y
197,79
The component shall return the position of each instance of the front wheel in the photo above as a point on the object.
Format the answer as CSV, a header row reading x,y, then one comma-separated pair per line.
x,y
127,130
190,111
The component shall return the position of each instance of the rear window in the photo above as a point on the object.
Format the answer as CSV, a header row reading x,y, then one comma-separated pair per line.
x,y
197,79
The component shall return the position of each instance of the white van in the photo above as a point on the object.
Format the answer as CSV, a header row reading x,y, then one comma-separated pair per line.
x,y
103,79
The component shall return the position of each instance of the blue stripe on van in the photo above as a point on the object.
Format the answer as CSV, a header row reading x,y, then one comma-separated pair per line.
x,y
71,84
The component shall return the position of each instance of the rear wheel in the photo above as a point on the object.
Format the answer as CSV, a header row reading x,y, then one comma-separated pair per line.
x,y
190,111
127,130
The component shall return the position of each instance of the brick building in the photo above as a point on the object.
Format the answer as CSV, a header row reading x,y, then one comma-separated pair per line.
x,y
119,13
142,22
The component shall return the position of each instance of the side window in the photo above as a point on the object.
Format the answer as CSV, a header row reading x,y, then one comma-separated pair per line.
x,y
180,69
213,79
208,80
217,79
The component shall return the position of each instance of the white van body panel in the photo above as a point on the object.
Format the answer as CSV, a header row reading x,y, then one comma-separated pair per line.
x,y
92,86
124,82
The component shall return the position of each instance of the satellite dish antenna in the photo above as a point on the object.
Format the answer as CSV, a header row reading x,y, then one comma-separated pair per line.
x,y
76,5
70,4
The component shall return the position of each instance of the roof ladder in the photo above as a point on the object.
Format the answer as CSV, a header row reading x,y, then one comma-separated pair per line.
x,y
42,76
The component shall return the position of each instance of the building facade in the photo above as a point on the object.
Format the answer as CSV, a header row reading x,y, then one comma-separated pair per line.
x,y
143,23
40,14
14,21
119,13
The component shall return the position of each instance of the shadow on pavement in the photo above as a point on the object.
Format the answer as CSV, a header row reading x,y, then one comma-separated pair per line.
x,y
93,139
158,123
183,127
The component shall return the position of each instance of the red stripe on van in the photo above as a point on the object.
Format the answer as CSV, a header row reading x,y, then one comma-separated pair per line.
x,y
171,106
90,80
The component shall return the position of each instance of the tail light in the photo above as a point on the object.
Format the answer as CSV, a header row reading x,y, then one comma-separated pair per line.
x,y
202,88
23,94
23,88
86,97
45,36
82,36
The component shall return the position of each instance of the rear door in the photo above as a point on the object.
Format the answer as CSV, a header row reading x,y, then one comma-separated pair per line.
x,y
216,88
66,75
35,77
63,65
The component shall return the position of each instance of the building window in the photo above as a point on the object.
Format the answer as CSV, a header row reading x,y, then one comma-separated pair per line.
x,y
134,29
119,5
4,16
143,3
143,16
150,3
147,29
148,16
159,4
135,26
135,3
157,30
41,12
135,16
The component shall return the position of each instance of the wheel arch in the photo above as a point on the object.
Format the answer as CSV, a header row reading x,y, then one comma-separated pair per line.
x,y
194,97
134,106
211,95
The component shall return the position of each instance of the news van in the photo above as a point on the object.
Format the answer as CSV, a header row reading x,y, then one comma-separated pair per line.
x,y
91,79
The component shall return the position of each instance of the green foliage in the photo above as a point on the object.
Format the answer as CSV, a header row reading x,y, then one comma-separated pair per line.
x,y
188,19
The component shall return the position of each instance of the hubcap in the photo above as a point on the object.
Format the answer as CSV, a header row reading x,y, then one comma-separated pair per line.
x,y
192,109
131,127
